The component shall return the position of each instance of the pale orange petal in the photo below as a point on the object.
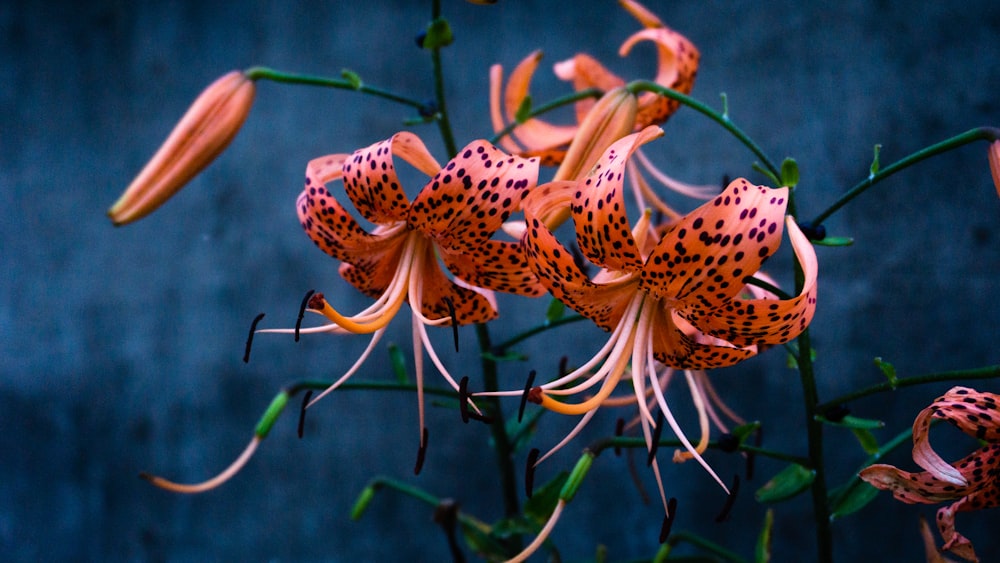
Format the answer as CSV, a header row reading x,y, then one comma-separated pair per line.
x,y
994,157
534,134
677,67
702,259
370,176
584,71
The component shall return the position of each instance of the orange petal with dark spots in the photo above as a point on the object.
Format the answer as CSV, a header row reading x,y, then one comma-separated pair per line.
x,y
701,261
370,176
603,230
677,349
497,265
371,269
677,66
327,223
746,322
468,200
470,306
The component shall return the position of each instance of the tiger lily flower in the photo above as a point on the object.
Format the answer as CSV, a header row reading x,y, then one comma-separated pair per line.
x,y
674,300
450,221
207,128
973,482
677,66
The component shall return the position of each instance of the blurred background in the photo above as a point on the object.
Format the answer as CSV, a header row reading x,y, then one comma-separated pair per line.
x,y
120,348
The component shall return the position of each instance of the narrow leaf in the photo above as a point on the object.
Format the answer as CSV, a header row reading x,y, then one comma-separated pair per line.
x,y
789,482
888,370
851,497
834,241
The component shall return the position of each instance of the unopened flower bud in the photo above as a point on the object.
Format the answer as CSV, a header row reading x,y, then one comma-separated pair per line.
x,y
205,130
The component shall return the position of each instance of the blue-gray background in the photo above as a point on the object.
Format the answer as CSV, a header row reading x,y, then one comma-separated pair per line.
x,y
120,348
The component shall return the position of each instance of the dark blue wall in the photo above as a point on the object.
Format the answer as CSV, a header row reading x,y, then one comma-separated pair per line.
x,y
120,348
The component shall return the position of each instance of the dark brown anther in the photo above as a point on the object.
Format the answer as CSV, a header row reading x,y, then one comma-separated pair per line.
x,y
529,472
730,500
317,302
421,453
253,329
463,398
302,412
446,516
657,431
454,319
524,396
302,312
668,519
563,364
535,395
619,430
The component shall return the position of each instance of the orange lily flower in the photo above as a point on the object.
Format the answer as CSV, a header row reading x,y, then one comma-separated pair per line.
x,y
207,128
677,66
451,220
973,481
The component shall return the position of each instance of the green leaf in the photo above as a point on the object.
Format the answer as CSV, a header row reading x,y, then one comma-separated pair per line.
x,y
543,500
789,482
789,173
744,431
398,363
851,497
834,241
364,499
855,422
352,77
873,169
763,551
438,34
523,112
888,370
555,311
480,540
867,440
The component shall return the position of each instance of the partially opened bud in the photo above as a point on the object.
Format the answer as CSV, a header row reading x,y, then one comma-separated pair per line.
x,y
994,155
205,130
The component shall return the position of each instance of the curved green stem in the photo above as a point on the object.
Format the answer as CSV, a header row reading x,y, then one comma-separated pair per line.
x,y
720,118
264,73
987,372
972,135
547,107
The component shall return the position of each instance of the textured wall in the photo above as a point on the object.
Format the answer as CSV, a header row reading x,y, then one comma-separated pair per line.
x,y
120,348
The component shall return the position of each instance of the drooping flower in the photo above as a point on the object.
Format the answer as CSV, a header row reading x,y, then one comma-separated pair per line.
x,y
973,482
674,298
207,128
677,66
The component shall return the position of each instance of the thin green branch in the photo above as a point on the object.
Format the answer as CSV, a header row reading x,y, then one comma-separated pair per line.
x,y
720,118
264,73
501,349
987,372
972,135
547,107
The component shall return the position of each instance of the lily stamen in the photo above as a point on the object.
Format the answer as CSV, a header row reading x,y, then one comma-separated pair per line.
x,y
212,483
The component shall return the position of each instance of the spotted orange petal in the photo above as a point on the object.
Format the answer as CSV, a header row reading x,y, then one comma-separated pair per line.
x,y
327,223
974,412
674,348
602,225
372,269
676,69
471,197
584,71
469,306
980,468
744,322
557,269
371,181
702,259
497,265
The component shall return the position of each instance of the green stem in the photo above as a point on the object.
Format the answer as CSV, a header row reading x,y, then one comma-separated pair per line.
x,y
814,432
977,134
720,118
987,372
264,73
556,103
443,120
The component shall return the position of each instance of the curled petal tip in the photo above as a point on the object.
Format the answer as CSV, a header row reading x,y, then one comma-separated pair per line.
x,y
209,125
